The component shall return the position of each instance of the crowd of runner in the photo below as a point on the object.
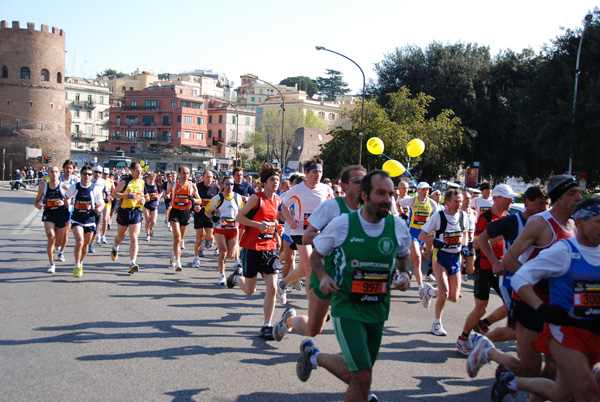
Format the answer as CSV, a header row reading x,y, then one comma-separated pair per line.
x,y
357,239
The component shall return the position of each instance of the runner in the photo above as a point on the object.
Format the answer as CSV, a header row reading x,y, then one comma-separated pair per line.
x,y
166,195
99,182
222,209
403,195
449,241
259,244
107,212
203,225
51,198
131,190
184,197
318,303
88,203
421,207
469,262
304,198
366,243
572,313
151,206
68,178
540,232
484,201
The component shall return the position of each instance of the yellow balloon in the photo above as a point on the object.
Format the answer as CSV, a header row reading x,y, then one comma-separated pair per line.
x,y
142,163
375,145
394,168
146,168
415,148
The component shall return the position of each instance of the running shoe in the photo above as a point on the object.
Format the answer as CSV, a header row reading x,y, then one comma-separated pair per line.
x,y
77,272
147,237
108,226
98,240
60,257
201,254
281,328
172,261
463,345
266,332
133,269
372,398
477,358
237,271
237,264
425,295
208,244
170,228
217,252
91,249
438,330
481,328
178,269
183,245
114,254
429,278
104,240
297,285
151,232
281,293
51,269
222,281
196,263
500,388
303,366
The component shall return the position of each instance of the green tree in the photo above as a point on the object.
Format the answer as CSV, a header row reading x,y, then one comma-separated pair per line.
x,y
304,83
111,73
258,141
332,85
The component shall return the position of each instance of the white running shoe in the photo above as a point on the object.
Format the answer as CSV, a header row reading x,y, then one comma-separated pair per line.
x,y
222,280
217,252
148,238
51,269
280,328
98,240
477,358
104,240
60,257
438,330
196,263
281,294
425,294
208,244
463,346
183,245
172,260
429,278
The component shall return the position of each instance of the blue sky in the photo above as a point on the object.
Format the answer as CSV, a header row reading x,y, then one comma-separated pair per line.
x,y
277,39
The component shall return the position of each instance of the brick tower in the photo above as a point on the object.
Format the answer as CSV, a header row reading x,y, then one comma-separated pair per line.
x,y
32,95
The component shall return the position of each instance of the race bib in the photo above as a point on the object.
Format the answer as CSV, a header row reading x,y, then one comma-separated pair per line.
x,y
228,223
586,299
270,232
83,205
369,287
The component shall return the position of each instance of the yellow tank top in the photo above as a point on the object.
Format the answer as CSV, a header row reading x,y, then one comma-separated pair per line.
x,y
135,187
419,213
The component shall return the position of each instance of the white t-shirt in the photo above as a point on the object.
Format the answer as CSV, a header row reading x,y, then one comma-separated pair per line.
x,y
305,201
96,195
336,231
452,226
325,213
480,203
552,262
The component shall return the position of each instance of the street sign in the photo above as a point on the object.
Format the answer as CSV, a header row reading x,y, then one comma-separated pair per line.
x,y
287,170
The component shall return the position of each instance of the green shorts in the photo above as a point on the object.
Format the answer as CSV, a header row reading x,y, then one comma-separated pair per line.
x,y
314,284
359,341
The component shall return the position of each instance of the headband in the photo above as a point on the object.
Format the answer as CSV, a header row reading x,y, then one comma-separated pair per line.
x,y
315,166
264,177
588,212
562,188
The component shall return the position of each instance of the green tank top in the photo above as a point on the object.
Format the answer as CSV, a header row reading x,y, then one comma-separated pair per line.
x,y
364,267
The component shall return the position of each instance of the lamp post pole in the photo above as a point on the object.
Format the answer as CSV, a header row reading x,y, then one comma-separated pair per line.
x,y
362,112
282,115
586,22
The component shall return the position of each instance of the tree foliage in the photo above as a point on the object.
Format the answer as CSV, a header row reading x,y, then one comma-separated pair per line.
x,y
304,84
110,73
332,85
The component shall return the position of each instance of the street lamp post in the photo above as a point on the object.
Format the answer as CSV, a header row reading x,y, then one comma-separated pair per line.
x,y
282,115
362,112
586,22
237,127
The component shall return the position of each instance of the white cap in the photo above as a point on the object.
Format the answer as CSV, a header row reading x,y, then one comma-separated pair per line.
x,y
474,190
504,190
453,185
106,171
423,184
98,168
436,192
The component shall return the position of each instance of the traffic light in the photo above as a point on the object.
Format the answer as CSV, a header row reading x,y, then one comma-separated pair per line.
x,y
46,160
40,159
49,159
216,141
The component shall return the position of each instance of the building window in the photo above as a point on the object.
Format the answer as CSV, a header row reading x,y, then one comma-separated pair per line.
x,y
45,75
131,134
220,134
209,134
132,149
100,115
188,119
259,110
4,72
259,100
252,99
166,136
148,134
76,96
179,134
101,99
89,114
179,119
199,136
331,116
173,103
88,131
148,120
187,135
233,119
131,120
25,73
90,98
260,91
59,78
123,88
220,118
200,121
322,115
30,103
134,102
247,121
76,112
76,128
209,119
151,103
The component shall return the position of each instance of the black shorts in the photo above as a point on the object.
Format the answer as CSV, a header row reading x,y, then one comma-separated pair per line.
x,y
484,281
297,239
264,262
128,216
60,218
113,203
201,221
527,316
181,216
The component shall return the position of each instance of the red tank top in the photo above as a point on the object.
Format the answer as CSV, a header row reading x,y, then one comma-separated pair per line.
x,y
254,239
182,196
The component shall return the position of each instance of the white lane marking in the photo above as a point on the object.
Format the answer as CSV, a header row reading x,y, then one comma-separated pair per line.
x,y
23,226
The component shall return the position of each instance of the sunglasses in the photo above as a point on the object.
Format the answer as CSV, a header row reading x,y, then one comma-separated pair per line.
x,y
228,184
338,192
355,180
87,174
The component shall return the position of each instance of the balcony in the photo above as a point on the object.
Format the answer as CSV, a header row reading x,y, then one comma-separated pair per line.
x,y
141,107
84,105
81,136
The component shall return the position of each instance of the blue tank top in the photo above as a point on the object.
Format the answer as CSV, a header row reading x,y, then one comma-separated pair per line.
x,y
83,204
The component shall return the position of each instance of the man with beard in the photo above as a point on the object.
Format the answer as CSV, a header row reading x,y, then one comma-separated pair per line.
x,y
366,243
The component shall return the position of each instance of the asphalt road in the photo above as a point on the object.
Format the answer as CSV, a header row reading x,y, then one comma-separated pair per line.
x,y
165,336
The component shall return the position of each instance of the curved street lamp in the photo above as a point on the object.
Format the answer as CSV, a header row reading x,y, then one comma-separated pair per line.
x,y
362,112
282,115
586,22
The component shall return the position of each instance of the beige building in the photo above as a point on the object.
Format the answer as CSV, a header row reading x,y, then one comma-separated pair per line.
x,y
88,101
134,82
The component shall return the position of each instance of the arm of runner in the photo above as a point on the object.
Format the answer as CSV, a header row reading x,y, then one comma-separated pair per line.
x,y
287,216
244,220
485,246
118,191
403,265
309,234
38,199
326,283
528,237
